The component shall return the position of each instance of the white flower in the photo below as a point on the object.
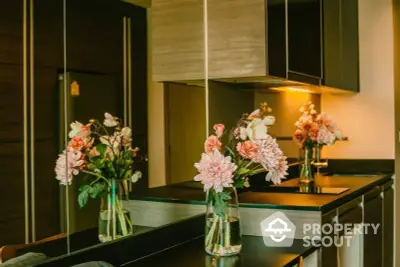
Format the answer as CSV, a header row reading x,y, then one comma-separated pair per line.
x,y
243,133
339,134
136,176
256,130
313,111
312,106
126,132
109,120
111,141
269,120
302,109
78,129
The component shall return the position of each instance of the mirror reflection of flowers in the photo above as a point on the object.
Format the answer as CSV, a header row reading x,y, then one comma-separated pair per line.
x,y
314,129
101,152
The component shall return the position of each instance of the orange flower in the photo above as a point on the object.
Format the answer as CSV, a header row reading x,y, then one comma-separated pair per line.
x,y
247,149
211,143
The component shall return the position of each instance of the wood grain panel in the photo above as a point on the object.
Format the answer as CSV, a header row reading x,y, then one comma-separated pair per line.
x,y
94,36
11,31
11,156
177,40
48,30
46,152
186,130
237,38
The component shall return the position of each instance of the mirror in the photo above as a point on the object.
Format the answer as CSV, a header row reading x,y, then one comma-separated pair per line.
x,y
31,59
128,59
106,73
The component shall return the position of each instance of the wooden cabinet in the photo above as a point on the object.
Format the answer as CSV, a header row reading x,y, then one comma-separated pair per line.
x,y
341,46
308,41
177,32
373,214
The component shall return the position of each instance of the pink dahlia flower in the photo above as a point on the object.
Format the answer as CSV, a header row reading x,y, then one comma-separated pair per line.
x,y
271,157
215,171
67,165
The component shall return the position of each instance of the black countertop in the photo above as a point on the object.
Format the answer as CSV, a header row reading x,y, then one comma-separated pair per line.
x,y
192,193
254,253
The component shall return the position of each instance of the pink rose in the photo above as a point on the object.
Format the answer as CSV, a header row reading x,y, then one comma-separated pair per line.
x,y
313,133
211,143
77,143
299,137
247,149
219,129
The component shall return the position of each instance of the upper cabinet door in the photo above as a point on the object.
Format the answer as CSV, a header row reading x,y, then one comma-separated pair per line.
x,y
237,38
341,46
305,40
177,30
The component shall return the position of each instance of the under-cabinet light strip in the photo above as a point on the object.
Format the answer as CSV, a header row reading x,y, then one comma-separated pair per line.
x,y
129,73
25,116
206,88
32,118
124,70
66,117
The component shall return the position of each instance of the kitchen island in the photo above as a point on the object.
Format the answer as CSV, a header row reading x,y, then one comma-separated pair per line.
x,y
368,199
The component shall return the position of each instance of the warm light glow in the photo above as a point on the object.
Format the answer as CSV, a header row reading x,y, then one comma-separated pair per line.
x,y
292,89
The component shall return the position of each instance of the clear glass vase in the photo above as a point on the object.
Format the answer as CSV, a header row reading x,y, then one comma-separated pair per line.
x,y
114,221
318,162
223,234
306,171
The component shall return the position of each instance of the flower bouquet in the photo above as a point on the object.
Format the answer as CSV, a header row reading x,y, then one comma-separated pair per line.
x,y
313,131
103,154
250,150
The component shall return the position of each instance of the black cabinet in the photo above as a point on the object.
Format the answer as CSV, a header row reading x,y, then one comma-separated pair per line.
x,y
314,42
304,40
373,214
341,46
388,224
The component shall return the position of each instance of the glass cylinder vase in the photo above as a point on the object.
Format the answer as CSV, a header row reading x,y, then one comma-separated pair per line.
x,y
114,221
222,234
306,171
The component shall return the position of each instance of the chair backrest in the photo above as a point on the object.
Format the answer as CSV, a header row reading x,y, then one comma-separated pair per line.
x,y
11,251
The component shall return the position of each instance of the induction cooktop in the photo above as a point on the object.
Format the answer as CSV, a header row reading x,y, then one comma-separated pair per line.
x,y
305,189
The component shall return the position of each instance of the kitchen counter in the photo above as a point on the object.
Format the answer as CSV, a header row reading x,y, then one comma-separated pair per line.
x,y
192,193
254,253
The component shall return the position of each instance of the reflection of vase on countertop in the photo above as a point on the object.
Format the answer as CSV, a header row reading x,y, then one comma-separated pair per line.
x,y
306,172
114,221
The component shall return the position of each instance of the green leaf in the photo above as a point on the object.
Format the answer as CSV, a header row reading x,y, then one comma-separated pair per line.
x,y
101,148
242,171
83,195
96,190
128,174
